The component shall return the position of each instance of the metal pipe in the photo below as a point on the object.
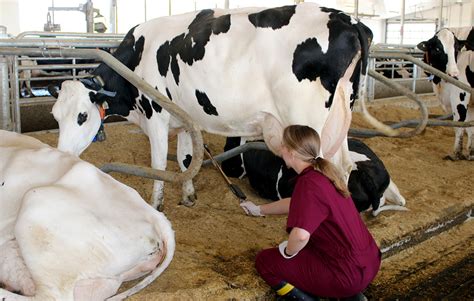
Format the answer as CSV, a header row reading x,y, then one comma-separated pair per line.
x,y
144,9
414,75
423,110
356,9
16,97
59,67
5,109
427,67
89,11
45,100
368,133
113,16
402,22
472,14
52,78
440,16
58,43
236,151
69,34
148,90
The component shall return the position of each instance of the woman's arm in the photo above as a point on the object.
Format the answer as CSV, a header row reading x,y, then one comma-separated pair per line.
x,y
297,240
279,207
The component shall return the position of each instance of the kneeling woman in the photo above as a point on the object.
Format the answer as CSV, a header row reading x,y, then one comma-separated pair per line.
x,y
329,251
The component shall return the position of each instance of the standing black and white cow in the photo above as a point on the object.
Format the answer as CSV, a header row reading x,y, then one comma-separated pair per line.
x,y
454,55
244,72
369,181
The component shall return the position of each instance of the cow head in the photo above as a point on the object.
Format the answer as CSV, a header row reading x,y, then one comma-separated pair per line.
x,y
441,51
78,116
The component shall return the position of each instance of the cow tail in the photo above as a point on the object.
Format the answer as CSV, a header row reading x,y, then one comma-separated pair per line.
x,y
365,39
163,226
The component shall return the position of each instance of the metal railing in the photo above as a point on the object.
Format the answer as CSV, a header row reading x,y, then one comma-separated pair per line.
x,y
424,121
151,92
409,74
43,41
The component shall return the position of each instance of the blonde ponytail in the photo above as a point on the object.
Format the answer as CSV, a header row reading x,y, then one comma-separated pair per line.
x,y
332,173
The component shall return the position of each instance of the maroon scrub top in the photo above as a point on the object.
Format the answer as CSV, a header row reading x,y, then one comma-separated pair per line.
x,y
338,234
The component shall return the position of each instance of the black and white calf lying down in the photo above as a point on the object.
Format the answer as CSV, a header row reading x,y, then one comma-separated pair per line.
x,y
71,232
369,181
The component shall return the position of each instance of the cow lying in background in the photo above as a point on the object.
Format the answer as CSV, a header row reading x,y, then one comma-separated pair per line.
x,y
71,232
454,56
369,181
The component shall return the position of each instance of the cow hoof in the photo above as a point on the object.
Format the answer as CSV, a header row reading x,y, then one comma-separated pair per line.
x,y
189,201
454,157
160,207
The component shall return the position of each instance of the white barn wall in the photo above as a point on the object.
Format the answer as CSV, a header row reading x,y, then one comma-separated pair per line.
x,y
454,15
10,15
378,29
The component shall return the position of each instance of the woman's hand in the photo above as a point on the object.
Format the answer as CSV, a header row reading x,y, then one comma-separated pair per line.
x,y
251,209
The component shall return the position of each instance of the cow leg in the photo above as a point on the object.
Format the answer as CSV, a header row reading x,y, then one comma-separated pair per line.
x,y
470,130
470,144
458,142
184,153
157,132
14,274
393,194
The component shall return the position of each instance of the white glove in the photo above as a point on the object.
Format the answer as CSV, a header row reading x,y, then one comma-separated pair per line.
x,y
282,248
251,209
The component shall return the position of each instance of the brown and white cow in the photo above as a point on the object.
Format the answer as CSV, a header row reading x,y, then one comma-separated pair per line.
x,y
71,232
244,72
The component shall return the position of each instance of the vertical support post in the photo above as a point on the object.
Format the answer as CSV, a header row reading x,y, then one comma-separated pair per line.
x,y
5,109
144,8
113,16
472,14
370,82
89,16
402,22
16,96
226,4
440,16
169,7
356,9
415,77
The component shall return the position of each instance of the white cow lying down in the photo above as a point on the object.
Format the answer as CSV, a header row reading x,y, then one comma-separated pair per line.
x,y
71,232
